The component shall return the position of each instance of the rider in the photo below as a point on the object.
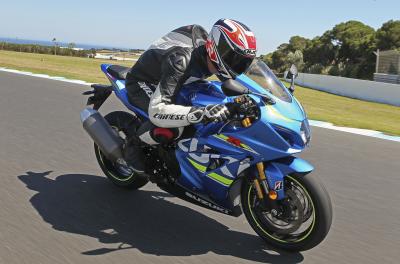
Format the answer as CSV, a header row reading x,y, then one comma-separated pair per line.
x,y
183,56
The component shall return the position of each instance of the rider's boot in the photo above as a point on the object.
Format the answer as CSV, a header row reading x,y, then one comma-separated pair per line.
x,y
132,151
133,155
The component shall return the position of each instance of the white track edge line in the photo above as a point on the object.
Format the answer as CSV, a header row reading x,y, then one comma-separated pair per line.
x,y
45,76
352,130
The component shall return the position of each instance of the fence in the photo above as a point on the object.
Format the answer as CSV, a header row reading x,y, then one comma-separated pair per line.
x,y
387,66
387,78
365,90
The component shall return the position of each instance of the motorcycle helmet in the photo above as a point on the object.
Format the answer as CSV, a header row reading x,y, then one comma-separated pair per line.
x,y
231,47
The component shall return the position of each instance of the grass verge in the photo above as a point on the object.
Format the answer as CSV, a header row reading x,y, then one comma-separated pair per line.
x,y
344,111
85,69
319,105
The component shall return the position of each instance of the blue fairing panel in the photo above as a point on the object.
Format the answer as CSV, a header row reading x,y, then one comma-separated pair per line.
x,y
277,170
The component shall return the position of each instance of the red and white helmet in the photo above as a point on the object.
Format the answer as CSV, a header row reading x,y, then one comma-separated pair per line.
x,y
231,46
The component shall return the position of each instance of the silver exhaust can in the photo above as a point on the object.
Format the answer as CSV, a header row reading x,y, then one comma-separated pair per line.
x,y
102,134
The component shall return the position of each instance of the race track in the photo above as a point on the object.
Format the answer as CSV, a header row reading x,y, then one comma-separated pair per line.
x,y
57,207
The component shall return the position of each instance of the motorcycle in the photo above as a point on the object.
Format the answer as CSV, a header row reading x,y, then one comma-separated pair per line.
x,y
245,165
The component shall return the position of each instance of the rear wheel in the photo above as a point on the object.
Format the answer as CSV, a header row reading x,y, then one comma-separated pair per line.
x,y
118,173
298,222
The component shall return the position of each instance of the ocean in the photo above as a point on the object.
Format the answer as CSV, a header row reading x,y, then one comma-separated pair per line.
x,y
62,44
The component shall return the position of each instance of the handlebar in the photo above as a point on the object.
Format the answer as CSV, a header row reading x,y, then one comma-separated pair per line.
x,y
245,105
242,107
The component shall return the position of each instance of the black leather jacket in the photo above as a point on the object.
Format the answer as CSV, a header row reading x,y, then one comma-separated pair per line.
x,y
177,58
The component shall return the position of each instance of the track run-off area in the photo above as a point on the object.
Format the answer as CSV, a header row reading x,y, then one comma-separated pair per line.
x,y
58,207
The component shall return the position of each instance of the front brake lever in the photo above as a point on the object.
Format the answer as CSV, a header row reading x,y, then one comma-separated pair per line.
x,y
266,98
227,123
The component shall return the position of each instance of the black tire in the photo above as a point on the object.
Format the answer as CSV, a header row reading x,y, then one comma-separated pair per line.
x,y
120,121
321,217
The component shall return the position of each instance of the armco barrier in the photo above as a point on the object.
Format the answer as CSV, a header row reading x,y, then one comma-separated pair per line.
x,y
387,78
365,90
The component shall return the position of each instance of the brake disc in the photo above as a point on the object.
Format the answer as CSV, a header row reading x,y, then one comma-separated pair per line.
x,y
285,220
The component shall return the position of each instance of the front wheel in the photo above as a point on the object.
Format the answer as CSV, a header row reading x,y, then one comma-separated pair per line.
x,y
298,222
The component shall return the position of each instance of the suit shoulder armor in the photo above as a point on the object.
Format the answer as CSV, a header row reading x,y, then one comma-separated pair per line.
x,y
179,58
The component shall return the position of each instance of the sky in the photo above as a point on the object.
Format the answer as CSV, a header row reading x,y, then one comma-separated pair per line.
x,y
135,24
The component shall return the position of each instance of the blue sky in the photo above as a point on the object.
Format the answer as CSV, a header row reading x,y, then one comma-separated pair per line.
x,y
135,24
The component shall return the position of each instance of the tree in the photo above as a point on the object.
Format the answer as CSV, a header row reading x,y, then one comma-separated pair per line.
x,y
356,43
94,52
388,36
267,58
320,50
298,43
279,58
71,45
345,50
55,45
296,58
353,40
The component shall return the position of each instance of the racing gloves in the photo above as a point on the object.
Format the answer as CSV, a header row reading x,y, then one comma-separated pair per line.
x,y
210,113
222,112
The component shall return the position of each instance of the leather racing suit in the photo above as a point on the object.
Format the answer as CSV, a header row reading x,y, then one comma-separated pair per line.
x,y
153,83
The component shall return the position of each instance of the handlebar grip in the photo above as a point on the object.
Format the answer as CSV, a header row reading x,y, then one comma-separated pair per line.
x,y
207,120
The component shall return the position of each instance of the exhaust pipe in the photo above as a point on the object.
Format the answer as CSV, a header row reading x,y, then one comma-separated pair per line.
x,y
102,134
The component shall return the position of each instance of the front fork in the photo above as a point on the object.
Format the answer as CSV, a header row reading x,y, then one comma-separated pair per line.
x,y
260,182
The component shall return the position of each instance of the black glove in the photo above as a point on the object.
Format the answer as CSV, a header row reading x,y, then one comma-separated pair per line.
x,y
217,112
210,113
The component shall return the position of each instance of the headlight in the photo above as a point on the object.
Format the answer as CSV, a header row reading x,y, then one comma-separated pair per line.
x,y
305,132
304,137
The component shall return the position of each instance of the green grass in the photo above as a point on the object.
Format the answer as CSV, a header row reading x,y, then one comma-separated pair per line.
x,y
319,105
70,67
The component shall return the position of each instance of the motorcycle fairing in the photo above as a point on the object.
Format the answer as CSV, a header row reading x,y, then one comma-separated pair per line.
x,y
211,165
207,171
255,146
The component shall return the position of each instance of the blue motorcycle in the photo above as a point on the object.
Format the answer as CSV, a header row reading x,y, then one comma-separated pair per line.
x,y
245,165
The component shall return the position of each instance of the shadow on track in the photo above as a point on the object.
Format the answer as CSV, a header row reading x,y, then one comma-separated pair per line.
x,y
89,205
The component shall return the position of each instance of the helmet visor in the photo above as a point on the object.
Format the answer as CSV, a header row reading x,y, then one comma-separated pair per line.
x,y
232,60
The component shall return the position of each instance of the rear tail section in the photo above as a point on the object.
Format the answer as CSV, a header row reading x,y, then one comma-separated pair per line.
x,y
116,74
99,95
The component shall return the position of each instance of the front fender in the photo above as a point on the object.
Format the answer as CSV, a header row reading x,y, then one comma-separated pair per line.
x,y
278,169
290,165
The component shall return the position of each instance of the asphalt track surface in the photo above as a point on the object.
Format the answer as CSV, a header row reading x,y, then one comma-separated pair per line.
x,y
57,207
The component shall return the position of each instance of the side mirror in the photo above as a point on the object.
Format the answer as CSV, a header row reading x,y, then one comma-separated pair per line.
x,y
291,74
231,88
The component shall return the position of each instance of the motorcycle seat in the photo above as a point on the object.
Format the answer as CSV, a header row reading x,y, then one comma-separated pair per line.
x,y
118,72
